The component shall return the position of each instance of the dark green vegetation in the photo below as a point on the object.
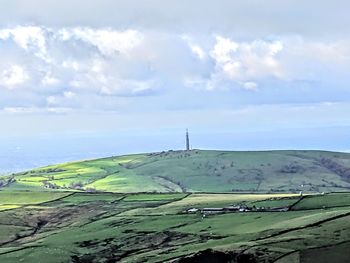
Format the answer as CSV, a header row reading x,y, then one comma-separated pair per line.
x,y
112,227
134,209
195,171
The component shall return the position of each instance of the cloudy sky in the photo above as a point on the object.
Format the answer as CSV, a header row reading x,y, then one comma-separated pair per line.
x,y
277,70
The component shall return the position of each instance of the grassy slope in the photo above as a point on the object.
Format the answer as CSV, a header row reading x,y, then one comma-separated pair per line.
x,y
81,227
38,224
196,171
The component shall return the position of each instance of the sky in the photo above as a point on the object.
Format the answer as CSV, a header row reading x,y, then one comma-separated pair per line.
x,y
241,75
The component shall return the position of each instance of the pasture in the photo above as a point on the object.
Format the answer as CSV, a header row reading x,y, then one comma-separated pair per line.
x,y
195,171
176,206
102,227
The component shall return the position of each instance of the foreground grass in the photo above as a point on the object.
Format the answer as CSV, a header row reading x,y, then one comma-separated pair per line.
x,y
97,227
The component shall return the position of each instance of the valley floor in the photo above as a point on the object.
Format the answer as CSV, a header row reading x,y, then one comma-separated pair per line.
x,y
59,226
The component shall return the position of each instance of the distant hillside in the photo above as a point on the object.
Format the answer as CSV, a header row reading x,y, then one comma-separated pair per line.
x,y
196,171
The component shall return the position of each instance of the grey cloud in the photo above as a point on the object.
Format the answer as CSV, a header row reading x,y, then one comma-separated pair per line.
x,y
252,18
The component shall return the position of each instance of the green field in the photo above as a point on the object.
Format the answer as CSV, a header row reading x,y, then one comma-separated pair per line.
x,y
112,227
175,207
196,171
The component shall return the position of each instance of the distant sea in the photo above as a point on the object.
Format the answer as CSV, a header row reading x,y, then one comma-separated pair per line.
x,y
19,154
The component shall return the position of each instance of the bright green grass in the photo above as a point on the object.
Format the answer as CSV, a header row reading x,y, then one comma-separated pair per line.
x,y
141,226
126,182
91,197
20,198
245,223
196,171
157,223
153,197
329,233
70,174
8,231
324,201
283,202
203,200
23,186
7,207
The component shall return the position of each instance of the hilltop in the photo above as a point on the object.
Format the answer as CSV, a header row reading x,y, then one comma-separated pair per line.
x,y
195,171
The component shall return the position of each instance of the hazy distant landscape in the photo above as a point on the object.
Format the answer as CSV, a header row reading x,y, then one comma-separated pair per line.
x,y
36,151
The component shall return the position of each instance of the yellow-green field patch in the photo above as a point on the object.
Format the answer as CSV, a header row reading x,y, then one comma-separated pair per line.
x,y
22,198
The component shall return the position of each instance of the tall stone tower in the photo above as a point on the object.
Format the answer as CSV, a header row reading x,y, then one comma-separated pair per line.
x,y
187,141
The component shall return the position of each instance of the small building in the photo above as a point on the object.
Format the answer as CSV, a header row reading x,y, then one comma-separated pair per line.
x,y
213,210
231,208
192,210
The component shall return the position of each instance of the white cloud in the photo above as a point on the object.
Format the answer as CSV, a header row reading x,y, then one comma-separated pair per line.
x,y
108,41
250,85
13,77
223,49
195,48
247,60
99,63
58,110
71,64
15,110
198,51
30,38
30,110
69,94
335,52
49,80
119,86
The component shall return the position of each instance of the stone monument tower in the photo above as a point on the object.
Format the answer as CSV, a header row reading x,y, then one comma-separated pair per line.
x,y
187,141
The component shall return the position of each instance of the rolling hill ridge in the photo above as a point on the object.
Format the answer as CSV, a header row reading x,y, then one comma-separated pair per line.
x,y
194,171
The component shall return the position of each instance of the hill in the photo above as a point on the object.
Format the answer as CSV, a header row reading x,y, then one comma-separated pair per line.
x,y
194,171
99,210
